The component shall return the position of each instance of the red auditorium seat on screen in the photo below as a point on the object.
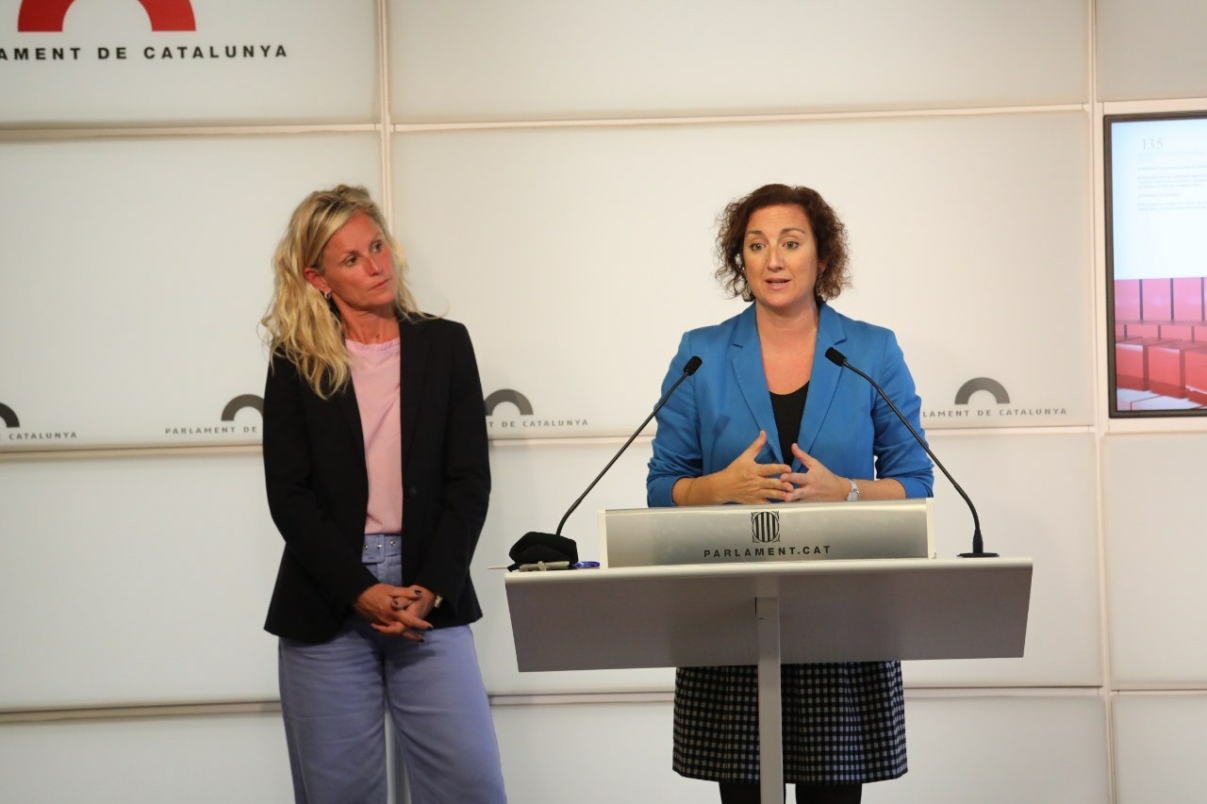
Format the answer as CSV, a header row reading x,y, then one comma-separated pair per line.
x,y
1127,308
1167,366
1139,330
1131,362
1188,299
1176,331
1196,375
1156,300
1127,300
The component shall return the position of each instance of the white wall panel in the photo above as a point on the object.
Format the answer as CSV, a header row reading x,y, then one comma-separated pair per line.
x,y
1153,493
1151,49
135,581
580,255
1010,480
309,60
1044,750
1159,748
239,759
591,753
545,59
136,274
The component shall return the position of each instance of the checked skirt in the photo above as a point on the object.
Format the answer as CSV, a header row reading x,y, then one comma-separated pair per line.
x,y
844,723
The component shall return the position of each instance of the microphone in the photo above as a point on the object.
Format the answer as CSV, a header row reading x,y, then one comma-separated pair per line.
x,y
978,548
554,548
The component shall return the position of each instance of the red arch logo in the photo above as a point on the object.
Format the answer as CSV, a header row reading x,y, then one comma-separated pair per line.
x,y
48,15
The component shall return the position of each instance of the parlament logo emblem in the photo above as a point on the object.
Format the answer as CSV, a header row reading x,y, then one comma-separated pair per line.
x,y
47,16
765,527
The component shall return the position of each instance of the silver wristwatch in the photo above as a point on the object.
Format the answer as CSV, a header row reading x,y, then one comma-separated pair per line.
x,y
854,495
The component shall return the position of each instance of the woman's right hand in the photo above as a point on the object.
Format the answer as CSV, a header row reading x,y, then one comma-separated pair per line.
x,y
745,480
376,604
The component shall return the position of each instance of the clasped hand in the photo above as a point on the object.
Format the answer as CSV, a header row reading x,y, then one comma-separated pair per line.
x,y
396,610
747,481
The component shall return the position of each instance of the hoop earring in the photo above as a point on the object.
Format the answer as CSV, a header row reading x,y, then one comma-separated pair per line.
x,y
327,296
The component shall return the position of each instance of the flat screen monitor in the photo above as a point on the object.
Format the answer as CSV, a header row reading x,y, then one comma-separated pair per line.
x,y
1156,258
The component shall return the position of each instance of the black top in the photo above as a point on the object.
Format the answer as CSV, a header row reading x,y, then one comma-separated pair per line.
x,y
788,409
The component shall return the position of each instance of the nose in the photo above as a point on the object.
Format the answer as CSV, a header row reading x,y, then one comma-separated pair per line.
x,y
774,258
378,264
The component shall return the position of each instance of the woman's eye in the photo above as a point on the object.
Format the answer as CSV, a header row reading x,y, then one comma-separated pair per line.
x,y
378,247
755,246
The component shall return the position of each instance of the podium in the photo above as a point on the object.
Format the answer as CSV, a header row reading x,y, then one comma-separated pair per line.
x,y
767,613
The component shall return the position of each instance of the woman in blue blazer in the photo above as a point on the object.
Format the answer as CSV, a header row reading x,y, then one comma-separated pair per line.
x,y
375,458
767,418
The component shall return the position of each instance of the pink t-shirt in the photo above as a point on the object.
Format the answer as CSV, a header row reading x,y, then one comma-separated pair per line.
x,y
376,380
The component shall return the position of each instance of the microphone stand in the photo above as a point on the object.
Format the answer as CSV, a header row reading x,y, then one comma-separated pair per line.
x,y
688,370
978,546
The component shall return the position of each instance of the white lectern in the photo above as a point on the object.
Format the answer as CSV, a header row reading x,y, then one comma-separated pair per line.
x,y
767,613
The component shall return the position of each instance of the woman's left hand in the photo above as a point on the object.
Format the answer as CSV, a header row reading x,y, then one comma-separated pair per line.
x,y
420,605
817,484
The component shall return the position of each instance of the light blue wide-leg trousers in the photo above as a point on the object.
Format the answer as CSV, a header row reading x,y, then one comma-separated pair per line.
x,y
334,696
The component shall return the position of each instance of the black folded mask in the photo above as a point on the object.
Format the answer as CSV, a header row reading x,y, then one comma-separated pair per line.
x,y
534,548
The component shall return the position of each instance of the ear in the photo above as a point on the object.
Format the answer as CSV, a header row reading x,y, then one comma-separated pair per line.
x,y
315,278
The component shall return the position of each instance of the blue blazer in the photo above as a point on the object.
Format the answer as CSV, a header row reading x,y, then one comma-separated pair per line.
x,y
719,410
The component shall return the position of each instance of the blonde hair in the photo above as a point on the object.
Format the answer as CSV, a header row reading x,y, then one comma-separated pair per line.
x,y
300,323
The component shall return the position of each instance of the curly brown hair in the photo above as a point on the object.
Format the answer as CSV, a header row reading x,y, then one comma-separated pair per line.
x,y
828,231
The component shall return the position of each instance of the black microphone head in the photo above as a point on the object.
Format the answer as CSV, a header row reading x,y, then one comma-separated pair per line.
x,y
836,357
692,365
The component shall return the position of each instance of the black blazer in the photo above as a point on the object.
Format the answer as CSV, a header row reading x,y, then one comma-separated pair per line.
x,y
318,487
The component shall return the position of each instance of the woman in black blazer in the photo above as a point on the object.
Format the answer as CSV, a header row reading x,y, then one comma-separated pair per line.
x,y
375,459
